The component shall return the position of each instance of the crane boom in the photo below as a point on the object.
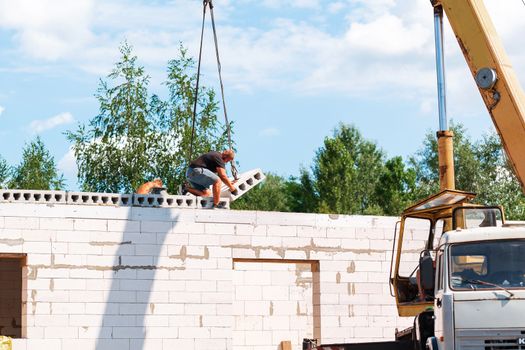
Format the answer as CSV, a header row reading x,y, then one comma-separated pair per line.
x,y
493,73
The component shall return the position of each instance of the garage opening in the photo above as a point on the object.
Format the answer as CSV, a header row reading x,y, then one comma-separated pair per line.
x,y
11,289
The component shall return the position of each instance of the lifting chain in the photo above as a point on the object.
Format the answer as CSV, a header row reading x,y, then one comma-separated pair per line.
x,y
209,3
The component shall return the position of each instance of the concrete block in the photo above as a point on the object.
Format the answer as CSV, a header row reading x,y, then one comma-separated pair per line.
x,y
184,297
248,293
230,217
212,343
295,254
28,223
283,231
207,202
219,229
54,344
246,182
184,320
309,231
90,334
200,309
129,332
90,225
158,200
178,344
194,333
91,198
217,298
162,227
21,344
32,196
38,235
121,226
201,286
257,308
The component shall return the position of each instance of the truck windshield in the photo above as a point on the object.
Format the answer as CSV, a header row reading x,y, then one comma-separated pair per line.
x,y
488,265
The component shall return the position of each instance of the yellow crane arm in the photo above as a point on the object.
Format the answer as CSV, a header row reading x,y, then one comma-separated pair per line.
x,y
493,73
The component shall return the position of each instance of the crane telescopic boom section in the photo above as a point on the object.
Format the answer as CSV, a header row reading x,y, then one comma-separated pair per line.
x,y
493,73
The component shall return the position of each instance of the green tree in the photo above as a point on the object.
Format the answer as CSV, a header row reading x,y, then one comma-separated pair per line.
x,y
302,193
38,170
137,136
346,172
350,176
396,188
480,167
466,163
498,183
113,154
271,195
5,172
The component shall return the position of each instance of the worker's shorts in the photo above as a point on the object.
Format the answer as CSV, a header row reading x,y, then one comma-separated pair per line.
x,y
201,178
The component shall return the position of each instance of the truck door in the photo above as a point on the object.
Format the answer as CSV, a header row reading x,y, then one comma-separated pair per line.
x,y
438,310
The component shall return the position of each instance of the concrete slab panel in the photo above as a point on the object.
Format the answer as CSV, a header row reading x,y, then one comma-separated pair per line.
x,y
246,182
207,202
90,198
158,200
32,196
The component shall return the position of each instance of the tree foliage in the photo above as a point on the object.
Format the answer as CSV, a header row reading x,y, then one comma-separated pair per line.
x,y
396,188
302,193
466,163
481,167
5,172
137,136
271,195
346,172
349,175
37,170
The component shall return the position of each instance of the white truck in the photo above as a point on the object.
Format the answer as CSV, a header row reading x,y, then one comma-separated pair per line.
x,y
459,270
479,289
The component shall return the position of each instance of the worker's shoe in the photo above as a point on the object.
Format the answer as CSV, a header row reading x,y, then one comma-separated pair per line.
x,y
183,189
218,206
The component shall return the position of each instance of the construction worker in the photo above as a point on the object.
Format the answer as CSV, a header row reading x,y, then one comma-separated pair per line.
x,y
208,170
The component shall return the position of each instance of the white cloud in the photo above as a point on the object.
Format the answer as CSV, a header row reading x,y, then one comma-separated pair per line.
x,y
2,109
381,45
336,7
305,3
37,126
67,165
387,35
270,132
48,29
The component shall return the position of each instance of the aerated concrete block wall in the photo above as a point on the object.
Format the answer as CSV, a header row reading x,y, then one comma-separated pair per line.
x,y
123,277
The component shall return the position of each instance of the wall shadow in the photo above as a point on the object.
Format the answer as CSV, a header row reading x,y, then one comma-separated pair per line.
x,y
133,274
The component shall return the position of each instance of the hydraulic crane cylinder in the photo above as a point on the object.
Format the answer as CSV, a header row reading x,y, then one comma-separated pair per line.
x,y
445,146
446,159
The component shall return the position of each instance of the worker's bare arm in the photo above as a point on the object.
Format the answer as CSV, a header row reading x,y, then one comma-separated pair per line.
x,y
222,175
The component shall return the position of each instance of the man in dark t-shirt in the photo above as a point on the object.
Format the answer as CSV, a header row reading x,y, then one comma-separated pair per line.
x,y
208,170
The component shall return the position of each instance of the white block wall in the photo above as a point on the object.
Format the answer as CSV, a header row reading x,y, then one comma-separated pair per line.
x,y
163,278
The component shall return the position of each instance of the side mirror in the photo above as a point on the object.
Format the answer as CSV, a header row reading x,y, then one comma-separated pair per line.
x,y
426,271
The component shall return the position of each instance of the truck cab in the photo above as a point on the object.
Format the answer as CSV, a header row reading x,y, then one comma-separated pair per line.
x,y
479,299
459,269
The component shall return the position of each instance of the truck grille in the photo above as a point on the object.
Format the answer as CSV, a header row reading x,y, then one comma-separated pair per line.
x,y
490,339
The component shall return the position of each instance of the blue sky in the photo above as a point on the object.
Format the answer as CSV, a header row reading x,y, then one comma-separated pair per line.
x,y
292,70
